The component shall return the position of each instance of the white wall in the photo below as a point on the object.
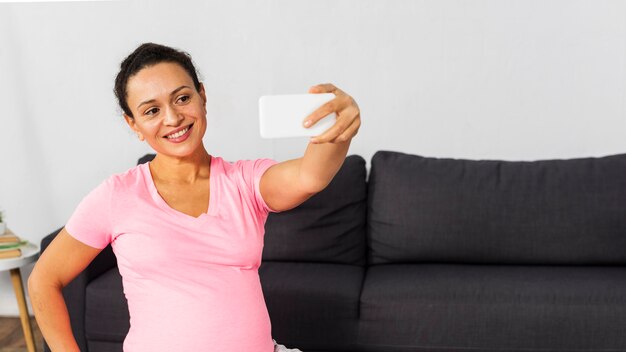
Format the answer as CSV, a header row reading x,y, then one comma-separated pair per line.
x,y
488,79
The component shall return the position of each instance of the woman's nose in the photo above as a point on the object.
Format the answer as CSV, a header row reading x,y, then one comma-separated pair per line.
x,y
172,117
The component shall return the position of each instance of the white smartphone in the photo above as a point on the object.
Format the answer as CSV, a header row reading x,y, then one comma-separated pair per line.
x,y
283,116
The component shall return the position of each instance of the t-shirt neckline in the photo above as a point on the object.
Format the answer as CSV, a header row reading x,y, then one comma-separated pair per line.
x,y
212,211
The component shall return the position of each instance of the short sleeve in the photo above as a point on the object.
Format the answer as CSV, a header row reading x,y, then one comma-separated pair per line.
x,y
252,171
90,222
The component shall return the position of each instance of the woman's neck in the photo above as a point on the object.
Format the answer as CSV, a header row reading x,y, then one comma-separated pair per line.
x,y
182,171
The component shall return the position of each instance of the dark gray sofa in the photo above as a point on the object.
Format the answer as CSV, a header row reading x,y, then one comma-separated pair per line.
x,y
429,255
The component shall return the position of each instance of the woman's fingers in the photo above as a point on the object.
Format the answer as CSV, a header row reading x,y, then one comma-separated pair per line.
x,y
328,107
350,132
326,88
320,113
345,118
348,115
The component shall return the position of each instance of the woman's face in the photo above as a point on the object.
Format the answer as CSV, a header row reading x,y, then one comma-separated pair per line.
x,y
168,112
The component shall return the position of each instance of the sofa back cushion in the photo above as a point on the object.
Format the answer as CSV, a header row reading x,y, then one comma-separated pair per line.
x,y
328,227
477,211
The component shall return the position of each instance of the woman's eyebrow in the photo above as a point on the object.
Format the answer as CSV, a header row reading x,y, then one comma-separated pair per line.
x,y
172,93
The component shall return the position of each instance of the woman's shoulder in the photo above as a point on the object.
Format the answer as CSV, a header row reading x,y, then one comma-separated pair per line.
x,y
242,165
224,165
128,178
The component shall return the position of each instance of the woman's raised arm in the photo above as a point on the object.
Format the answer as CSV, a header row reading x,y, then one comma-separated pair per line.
x,y
288,184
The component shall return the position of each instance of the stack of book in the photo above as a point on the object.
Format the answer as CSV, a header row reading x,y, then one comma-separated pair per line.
x,y
10,245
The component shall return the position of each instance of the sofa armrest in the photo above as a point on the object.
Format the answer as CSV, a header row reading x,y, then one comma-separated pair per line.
x,y
75,292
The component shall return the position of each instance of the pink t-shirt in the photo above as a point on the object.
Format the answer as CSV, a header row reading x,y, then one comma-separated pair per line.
x,y
192,284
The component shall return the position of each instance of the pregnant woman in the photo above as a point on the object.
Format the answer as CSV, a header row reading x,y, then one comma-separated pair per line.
x,y
187,227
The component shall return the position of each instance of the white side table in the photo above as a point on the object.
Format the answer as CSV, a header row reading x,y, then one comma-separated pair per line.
x,y
30,253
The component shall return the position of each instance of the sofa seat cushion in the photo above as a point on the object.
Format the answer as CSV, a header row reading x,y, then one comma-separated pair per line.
x,y
505,308
106,311
313,305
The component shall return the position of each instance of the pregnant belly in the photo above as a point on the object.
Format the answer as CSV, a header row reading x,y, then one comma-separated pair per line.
x,y
227,311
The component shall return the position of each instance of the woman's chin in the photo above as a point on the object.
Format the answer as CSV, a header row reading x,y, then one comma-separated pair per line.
x,y
182,150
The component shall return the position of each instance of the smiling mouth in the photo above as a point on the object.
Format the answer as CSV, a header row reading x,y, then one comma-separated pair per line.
x,y
179,133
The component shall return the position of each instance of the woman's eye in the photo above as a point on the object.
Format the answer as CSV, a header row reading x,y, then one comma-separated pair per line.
x,y
183,98
152,111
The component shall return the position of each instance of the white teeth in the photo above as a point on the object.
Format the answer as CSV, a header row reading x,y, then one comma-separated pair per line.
x,y
178,134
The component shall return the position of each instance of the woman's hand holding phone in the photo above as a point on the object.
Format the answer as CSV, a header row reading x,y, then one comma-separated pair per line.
x,y
348,118
327,114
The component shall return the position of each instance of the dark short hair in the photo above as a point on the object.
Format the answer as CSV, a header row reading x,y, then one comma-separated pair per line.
x,y
149,54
